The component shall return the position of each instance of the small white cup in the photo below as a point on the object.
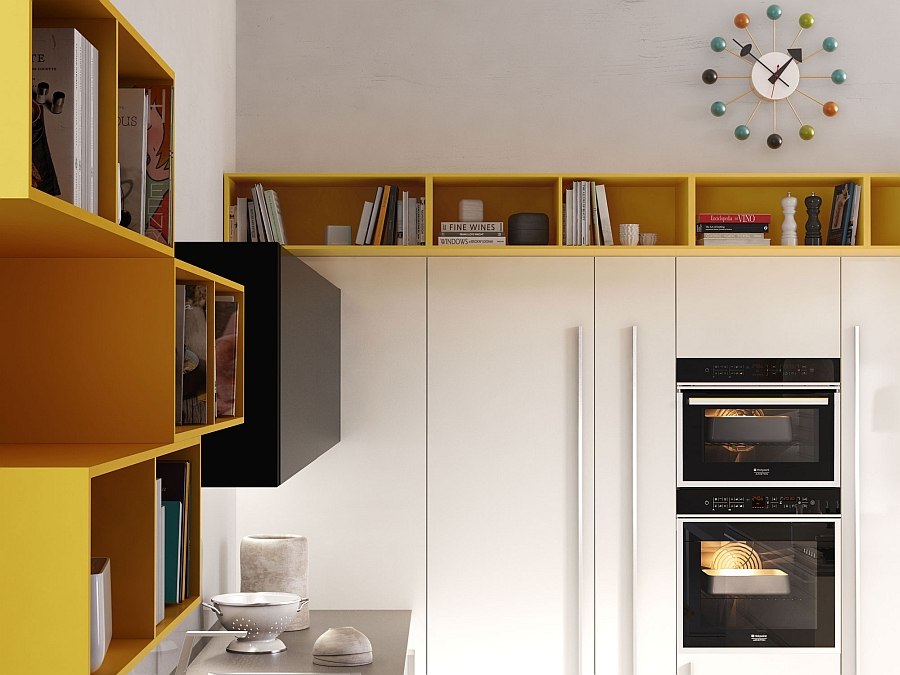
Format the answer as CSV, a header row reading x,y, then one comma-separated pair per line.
x,y
648,239
629,234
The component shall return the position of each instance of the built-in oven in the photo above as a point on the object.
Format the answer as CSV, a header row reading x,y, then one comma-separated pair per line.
x,y
747,422
759,574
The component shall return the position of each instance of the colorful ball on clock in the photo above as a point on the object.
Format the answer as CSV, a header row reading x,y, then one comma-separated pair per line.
x,y
807,132
830,109
742,132
806,21
717,44
839,76
717,108
829,44
742,20
709,76
773,12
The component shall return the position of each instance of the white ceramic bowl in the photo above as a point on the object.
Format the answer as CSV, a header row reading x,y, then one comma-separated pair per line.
x,y
263,615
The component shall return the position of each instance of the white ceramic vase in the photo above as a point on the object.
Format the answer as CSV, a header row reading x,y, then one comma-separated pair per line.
x,y
277,563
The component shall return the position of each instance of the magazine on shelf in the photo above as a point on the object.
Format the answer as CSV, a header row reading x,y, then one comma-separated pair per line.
x,y
179,350
133,111
839,222
226,332
157,216
193,408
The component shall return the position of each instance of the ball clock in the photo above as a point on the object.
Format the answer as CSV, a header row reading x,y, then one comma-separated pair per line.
x,y
775,75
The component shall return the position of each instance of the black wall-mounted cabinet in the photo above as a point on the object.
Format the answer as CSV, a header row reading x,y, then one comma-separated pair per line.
x,y
292,365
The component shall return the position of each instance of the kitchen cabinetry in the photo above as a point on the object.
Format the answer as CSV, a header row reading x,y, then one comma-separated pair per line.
x,y
292,347
636,542
504,422
870,438
758,307
87,406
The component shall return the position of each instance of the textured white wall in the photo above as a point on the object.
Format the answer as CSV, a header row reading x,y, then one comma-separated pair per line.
x,y
538,85
197,40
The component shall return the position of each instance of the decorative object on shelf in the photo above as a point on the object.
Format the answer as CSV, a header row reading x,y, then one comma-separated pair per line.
x,y
338,235
647,239
789,225
342,647
277,563
813,226
529,228
471,209
264,616
774,76
629,234
101,611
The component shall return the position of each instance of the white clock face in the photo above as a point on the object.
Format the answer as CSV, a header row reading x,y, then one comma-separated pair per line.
x,y
764,71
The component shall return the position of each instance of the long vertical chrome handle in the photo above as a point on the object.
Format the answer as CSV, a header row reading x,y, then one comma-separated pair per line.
x,y
634,493
580,422
856,499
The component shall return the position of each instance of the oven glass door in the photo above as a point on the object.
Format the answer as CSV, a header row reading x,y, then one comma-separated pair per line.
x,y
759,584
758,435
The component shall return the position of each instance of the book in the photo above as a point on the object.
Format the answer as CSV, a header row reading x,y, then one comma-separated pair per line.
x,y
253,221
262,212
174,538
179,350
472,234
273,208
378,234
603,215
390,224
226,327
373,218
839,220
471,227
160,554
734,217
132,125
175,476
92,126
193,408
59,113
731,235
364,219
241,218
854,214
595,216
736,242
470,241
159,157
703,228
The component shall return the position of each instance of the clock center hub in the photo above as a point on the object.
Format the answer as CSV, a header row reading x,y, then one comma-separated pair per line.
x,y
765,70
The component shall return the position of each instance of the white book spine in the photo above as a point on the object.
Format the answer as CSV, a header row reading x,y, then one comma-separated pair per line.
x,y
364,222
373,221
241,218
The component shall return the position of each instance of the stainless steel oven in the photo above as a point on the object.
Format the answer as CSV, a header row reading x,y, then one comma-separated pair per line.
x,y
759,575
748,422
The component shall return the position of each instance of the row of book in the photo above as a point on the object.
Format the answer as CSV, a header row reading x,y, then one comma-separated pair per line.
x,y
392,218
173,504
191,357
64,115
257,217
144,124
586,215
472,233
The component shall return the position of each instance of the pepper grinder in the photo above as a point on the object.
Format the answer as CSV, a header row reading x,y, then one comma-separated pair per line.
x,y
813,226
789,226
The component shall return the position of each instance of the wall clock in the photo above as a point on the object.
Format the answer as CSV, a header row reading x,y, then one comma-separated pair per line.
x,y
775,75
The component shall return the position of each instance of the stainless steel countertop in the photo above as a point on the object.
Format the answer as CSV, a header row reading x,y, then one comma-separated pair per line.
x,y
388,630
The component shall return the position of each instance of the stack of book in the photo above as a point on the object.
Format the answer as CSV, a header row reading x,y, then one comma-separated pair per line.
x,y
472,233
173,485
586,215
144,160
393,218
733,229
64,115
257,217
190,354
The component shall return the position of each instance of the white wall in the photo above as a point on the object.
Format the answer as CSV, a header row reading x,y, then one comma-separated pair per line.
x,y
539,85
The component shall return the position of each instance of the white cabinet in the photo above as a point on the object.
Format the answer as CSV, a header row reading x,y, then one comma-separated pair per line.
x,y
762,307
503,458
635,364
870,301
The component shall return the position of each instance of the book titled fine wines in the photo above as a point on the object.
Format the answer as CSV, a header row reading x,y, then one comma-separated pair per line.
x,y
64,115
471,226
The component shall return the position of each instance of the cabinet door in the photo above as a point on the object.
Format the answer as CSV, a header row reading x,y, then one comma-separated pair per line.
x,y
776,307
869,297
635,335
503,458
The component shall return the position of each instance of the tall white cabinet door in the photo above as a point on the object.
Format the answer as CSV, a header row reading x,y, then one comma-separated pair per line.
x,y
503,444
361,505
870,301
761,307
635,360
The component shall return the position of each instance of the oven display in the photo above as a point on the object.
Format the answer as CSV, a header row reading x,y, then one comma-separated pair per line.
x,y
701,501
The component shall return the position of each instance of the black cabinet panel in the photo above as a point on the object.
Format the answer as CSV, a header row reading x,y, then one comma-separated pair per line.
x,y
292,365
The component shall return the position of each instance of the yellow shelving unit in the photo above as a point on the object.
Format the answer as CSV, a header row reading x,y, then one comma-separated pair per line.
x,y
663,203
87,406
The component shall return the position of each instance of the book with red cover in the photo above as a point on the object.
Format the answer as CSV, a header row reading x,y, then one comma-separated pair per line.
x,y
734,217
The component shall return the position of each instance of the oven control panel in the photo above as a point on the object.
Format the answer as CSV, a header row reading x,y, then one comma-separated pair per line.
x,y
757,370
751,501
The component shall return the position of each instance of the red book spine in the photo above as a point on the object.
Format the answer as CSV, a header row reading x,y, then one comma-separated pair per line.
x,y
734,217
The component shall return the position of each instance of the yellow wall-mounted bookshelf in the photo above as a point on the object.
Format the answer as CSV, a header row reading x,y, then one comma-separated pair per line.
x,y
666,204
87,406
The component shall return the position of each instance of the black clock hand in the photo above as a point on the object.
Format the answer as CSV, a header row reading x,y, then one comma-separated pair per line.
x,y
745,51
